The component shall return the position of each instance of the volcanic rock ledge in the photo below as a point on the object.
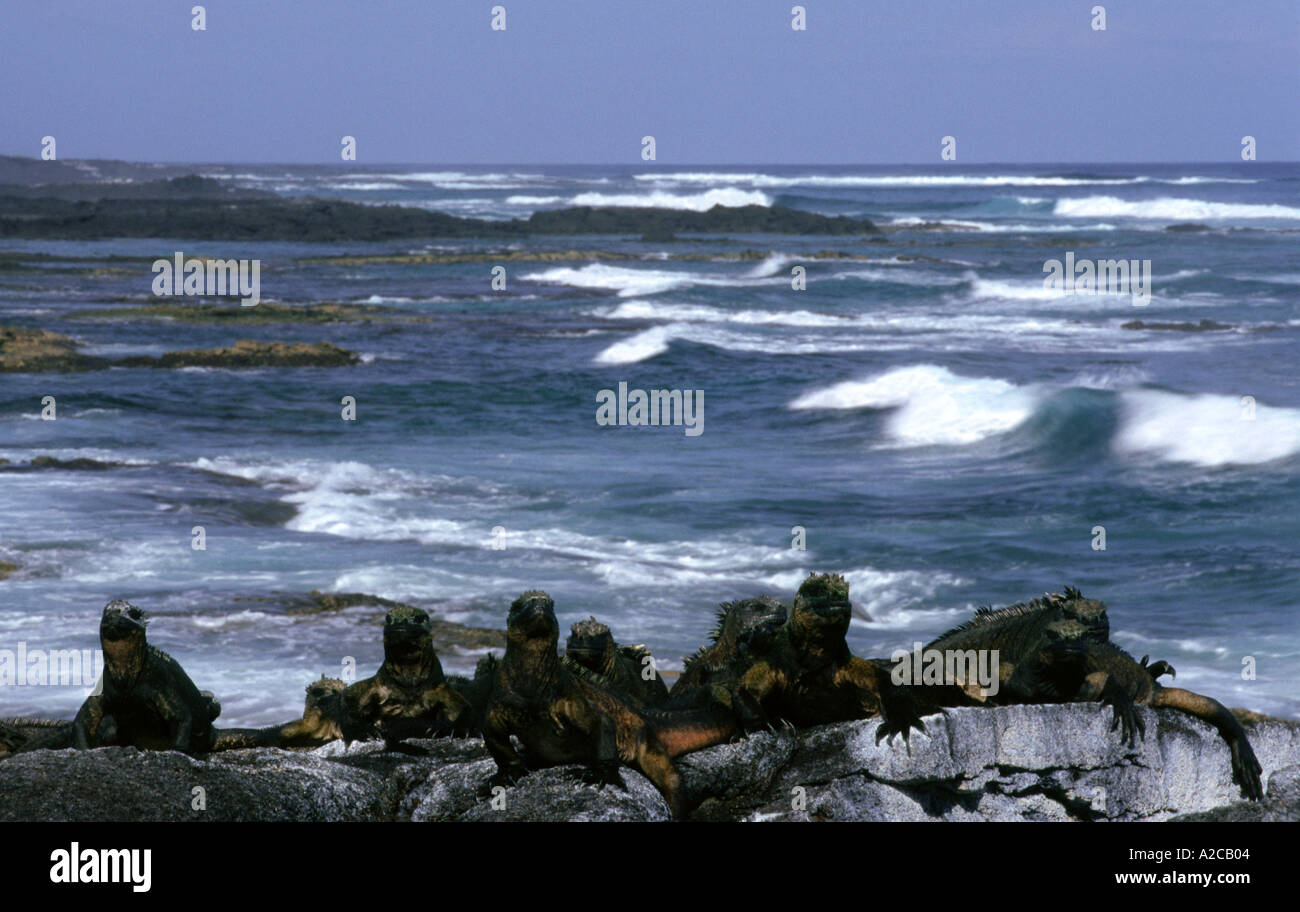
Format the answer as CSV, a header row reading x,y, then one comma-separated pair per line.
x,y
32,350
1057,762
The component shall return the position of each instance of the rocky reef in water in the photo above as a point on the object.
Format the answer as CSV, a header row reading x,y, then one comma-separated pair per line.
x,y
204,209
1038,762
25,350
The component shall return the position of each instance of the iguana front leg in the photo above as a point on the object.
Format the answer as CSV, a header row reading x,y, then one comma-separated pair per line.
x,y
510,766
85,728
1121,703
182,731
175,714
455,709
876,693
359,719
604,770
752,694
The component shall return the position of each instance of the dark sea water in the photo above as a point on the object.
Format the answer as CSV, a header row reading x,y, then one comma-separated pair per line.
x,y
946,430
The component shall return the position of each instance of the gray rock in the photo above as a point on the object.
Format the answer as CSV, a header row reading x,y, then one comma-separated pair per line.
x,y
1005,763
123,783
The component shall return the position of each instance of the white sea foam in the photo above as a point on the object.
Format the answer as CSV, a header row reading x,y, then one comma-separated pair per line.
x,y
659,199
1205,429
627,282
1182,210
933,405
533,200
639,347
775,263
636,282
1033,290
702,313
908,221
456,180
913,180
365,185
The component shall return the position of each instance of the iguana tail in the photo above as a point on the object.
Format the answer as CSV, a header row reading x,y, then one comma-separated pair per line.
x,y
1245,767
683,731
239,738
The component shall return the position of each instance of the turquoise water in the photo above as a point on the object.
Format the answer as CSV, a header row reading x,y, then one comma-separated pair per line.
x,y
946,431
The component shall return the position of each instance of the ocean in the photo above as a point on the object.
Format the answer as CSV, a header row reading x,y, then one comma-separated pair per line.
x,y
925,415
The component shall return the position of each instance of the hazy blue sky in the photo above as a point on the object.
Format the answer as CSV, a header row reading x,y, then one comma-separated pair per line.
x,y
582,81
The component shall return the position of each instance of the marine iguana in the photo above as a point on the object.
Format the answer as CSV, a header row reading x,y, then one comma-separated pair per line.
x,y
478,689
1070,666
409,696
807,676
562,716
321,723
743,628
1014,631
147,699
621,669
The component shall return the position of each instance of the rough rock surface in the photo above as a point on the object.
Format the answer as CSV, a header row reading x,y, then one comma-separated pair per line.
x,y
31,350
1008,763
24,350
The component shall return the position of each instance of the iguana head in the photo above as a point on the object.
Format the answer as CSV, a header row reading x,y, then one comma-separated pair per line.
x,y
822,604
324,697
1091,613
591,645
1067,636
122,637
532,617
122,621
750,622
408,634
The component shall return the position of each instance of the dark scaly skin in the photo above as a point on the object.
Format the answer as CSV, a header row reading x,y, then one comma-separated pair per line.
x,y
620,669
1015,632
31,733
807,676
561,716
1071,667
147,700
743,627
409,696
12,739
321,723
477,690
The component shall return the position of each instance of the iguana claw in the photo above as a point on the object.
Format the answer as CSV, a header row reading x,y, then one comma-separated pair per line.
x,y
1156,669
1126,719
502,779
601,775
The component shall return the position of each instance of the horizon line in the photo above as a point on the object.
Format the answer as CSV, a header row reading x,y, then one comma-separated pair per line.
x,y
651,165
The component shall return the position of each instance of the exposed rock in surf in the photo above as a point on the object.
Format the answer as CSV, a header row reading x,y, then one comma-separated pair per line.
x,y
36,350
446,634
31,350
1202,326
190,208
265,312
